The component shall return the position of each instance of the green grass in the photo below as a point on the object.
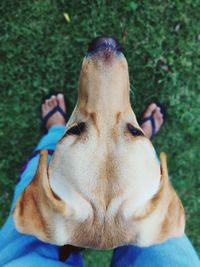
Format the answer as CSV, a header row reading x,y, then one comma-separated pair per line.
x,y
41,51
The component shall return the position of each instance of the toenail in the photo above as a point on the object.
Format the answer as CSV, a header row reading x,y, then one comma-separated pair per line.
x,y
60,95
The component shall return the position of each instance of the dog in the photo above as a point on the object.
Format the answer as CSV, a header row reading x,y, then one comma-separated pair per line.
x,y
104,186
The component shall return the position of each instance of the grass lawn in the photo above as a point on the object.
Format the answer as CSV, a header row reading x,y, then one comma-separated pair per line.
x,y
41,51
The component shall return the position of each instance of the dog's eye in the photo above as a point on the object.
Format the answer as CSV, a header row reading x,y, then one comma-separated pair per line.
x,y
77,129
134,131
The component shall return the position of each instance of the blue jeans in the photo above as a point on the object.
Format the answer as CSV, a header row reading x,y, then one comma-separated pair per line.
x,y
27,251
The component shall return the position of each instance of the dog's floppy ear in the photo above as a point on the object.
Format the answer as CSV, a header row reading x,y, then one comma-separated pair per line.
x,y
163,166
174,220
38,205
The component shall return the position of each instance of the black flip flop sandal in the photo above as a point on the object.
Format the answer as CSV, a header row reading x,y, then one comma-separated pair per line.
x,y
152,120
54,110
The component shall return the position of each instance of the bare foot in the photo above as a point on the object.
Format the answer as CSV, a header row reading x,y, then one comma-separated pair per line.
x,y
158,117
49,104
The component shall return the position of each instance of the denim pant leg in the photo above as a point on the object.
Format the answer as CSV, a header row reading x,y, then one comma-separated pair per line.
x,y
50,140
175,252
25,250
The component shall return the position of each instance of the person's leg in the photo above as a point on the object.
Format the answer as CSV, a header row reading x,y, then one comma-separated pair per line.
x,y
25,250
55,127
176,252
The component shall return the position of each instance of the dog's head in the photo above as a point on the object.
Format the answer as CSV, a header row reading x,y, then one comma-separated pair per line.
x,y
104,171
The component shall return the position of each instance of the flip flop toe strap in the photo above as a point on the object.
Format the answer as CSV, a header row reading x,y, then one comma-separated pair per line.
x,y
153,125
54,110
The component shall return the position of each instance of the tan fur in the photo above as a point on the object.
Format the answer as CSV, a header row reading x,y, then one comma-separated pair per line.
x,y
103,188
37,204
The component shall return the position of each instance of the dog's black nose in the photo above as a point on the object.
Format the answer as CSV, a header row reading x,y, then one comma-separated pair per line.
x,y
104,42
